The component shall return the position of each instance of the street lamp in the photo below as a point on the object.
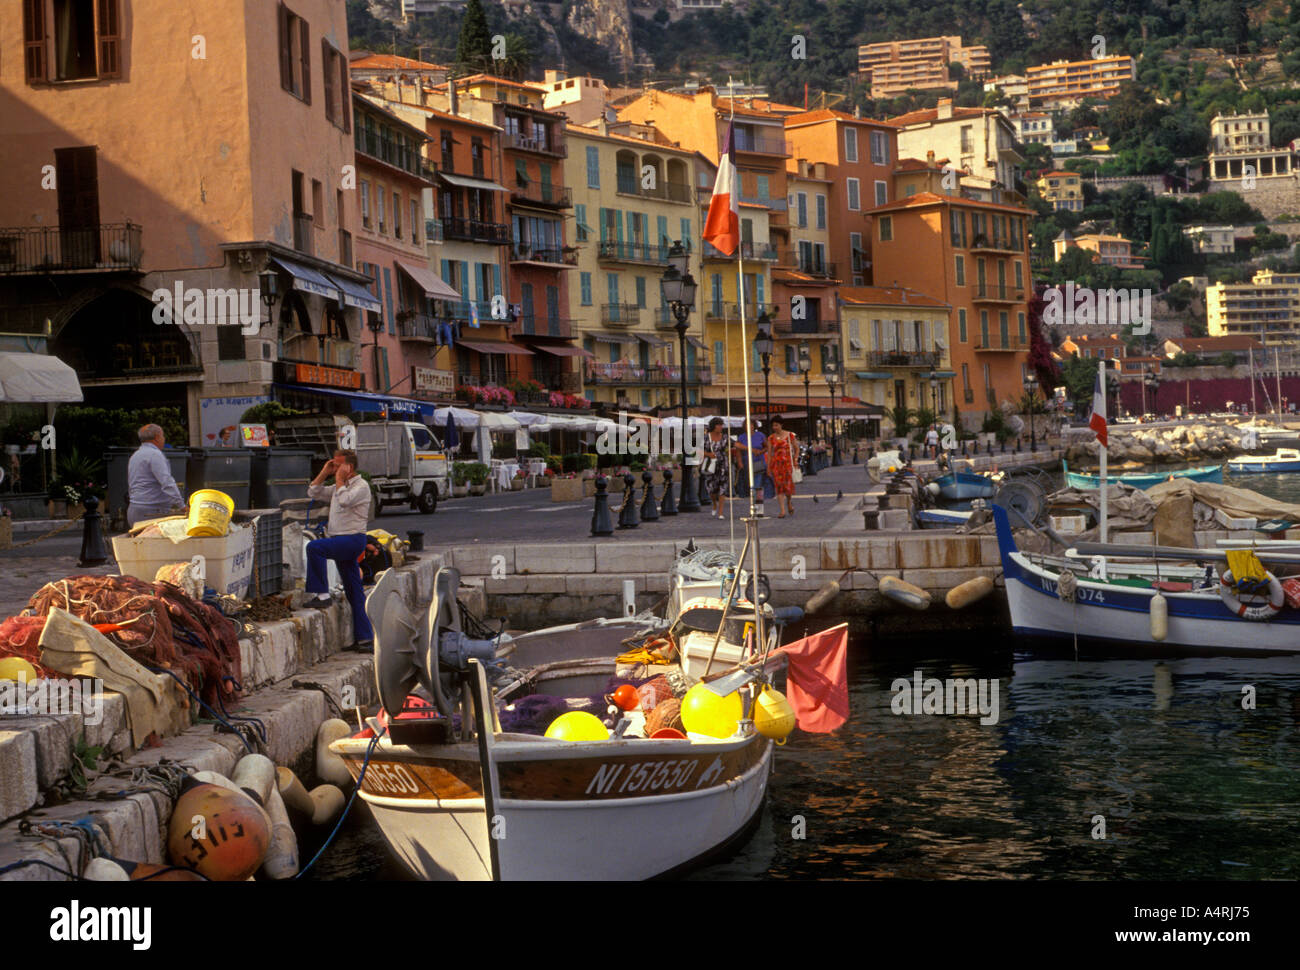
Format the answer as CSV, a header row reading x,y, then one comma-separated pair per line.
x,y
1152,380
1031,385
805,366
376,324
832,370
763,347
1112,382
678,290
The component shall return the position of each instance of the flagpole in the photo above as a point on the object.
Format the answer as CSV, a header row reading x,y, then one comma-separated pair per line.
x,y
1101,453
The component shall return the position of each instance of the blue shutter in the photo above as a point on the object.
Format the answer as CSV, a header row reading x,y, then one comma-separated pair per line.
x,y
618,226
611,287
718,360
593,167
580,213
640,291
478,282
446,273
585,279
496,280
686,234
758,290
388,285
661,231
604,226
464,281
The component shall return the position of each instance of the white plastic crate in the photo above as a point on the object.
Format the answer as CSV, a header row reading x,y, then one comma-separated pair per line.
x,y
228,560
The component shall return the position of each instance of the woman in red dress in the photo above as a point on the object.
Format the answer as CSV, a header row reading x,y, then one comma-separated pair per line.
x,y
781,449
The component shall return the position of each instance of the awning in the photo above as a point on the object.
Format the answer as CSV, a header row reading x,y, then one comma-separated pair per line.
x,y
697,343
652,341
872,375
364,401
427,280
563,350
945,374
354,294
36,378
468,183
494,347
307,279
611,338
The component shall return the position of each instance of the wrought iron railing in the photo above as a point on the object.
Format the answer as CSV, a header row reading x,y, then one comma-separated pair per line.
x,y
57,250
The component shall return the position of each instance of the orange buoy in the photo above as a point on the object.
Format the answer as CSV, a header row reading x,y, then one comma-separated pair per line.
x,y
218,833
627,698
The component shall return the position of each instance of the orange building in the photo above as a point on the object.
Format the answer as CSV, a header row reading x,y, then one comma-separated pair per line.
x,y
139,162
973,256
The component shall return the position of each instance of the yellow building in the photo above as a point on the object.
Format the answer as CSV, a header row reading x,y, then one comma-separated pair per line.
x,y
897,349
633,197
1267,307
1061,188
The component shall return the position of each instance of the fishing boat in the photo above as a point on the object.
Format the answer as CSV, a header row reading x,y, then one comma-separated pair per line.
x,y
1145,480
963,486
1107,592
1283,460
942,518
1266,433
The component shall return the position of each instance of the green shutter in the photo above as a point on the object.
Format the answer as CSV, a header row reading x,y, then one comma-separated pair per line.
x,y
496,280
478,282
661,231
604,225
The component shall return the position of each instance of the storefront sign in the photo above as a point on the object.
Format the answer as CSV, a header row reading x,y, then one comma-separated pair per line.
x,y
219,419
433,381
327,376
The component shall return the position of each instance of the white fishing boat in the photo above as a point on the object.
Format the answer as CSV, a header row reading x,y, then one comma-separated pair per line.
x,y
1282,460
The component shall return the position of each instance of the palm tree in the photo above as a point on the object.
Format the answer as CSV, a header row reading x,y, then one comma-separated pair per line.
x,y
518,59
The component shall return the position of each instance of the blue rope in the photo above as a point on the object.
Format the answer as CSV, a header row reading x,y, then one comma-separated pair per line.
x,y
198,700
346,808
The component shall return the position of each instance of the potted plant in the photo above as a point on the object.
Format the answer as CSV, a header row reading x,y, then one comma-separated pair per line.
x,y
459,479
477,475
566,488
517,483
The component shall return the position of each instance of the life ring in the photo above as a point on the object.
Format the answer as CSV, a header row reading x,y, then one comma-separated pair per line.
x,y
1258,611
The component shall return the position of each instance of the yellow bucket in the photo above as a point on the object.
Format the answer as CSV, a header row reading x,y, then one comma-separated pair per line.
x,y
210,513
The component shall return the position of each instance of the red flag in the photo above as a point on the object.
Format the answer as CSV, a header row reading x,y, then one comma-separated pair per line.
x,y
722,224
1098,420
818,680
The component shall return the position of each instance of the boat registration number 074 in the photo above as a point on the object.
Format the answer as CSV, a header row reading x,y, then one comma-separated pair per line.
x,y
1082,594
646,776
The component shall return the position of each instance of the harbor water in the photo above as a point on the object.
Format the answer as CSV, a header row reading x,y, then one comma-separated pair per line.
x,y
1157,756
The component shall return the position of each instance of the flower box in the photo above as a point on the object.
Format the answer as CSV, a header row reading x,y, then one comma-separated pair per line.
x,y
516,485
566,489
459,491
478,489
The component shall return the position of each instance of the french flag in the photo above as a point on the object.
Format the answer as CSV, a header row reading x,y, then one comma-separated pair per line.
x,y
722,225
1098,420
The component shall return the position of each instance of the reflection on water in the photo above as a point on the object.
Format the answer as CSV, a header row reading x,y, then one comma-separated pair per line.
x,y
1189,784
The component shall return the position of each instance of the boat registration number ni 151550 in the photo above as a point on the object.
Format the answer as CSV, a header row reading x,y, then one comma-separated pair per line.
x,y
646,776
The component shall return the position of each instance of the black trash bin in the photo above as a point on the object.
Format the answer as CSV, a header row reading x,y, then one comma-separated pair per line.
x,y
227,470
279,474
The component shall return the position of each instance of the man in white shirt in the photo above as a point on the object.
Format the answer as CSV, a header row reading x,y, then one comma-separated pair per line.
x,y
349,499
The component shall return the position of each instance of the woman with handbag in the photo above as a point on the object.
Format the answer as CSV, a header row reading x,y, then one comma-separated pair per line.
x,y
716,471
781,448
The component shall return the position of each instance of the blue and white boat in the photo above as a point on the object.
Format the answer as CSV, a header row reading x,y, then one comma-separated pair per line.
x,y
1145,480
1118,608
942,518
964,486
1283,460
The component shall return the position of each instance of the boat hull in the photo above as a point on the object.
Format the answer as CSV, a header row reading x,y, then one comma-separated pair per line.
x,y
1145,480
1263,467
565,811
964,486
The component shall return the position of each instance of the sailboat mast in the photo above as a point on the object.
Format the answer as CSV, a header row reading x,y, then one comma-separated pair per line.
x,y
1101,454
1277,377
1253,411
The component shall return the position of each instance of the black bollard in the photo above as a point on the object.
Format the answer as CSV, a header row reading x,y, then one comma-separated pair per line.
x,y
627,518
93,550
963,449
601,525
1004,447
649,510
668,507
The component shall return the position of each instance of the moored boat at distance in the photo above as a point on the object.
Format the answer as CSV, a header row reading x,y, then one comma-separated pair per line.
x,y
963,486
1283,460
1145,480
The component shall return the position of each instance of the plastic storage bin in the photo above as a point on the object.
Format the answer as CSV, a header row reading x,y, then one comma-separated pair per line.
x,y
227,470
279,474
228,560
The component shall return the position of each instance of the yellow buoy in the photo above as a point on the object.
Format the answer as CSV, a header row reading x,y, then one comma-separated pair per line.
x,y
704,712
773,716
577,726
210,513
1159,617
221,834
964,594
16,668
904,592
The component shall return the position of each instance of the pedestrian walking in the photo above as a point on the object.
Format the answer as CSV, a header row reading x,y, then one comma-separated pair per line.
x,y
932,442
716,470
753,442
349,499
151,490
782,446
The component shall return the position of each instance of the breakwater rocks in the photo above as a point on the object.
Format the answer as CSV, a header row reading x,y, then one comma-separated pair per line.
x,y
1188,442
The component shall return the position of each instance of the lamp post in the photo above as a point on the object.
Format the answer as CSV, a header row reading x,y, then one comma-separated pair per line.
x,y
678,289
832,370
1152,380
1031,385
376,324
1112,382
805,366
763,347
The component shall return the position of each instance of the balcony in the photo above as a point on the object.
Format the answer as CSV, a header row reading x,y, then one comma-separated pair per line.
x,y
664,319
543,256
433,230
761,144
804,328
542,194
533,326
757,252
773,205
471,230
992,244
632,252
1010,342
302,233
731,311
345,248
664,191
94,249
420,327
810,266
532,143
988,293
663,375
904,358
460,310
620,314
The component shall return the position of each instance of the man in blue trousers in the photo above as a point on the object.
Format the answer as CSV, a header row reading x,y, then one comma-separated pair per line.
x,y
349,499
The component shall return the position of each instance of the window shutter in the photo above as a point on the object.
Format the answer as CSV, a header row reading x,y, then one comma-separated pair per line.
x,y
286,63
496,280
329,79
35,42
110,39
345,87
306,60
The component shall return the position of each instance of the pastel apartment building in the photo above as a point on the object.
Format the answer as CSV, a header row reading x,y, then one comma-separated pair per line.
x,y
979,141
1063,84
1063,189
895,67
1268,308
1109,249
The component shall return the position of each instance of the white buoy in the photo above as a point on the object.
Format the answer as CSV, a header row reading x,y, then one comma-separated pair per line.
x,y
327,802
903,592
294,794
1159,617
971,591
934,489
281,860
105,870
255,774
329,766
